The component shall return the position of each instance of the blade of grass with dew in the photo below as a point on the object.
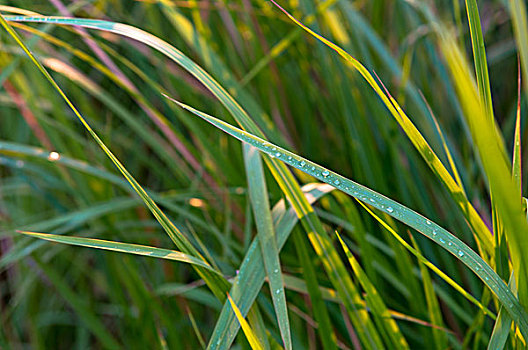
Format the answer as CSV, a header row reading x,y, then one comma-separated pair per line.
x,y
250,335
427,263
258,195
217,284
433,307
503,324
401,213
375,303
325,331
122,248
490,147
480,230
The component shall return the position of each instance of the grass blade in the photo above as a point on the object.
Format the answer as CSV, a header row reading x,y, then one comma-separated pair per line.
x,y
401,213
259,198
250,335
480,230
122,248
217,284
375,302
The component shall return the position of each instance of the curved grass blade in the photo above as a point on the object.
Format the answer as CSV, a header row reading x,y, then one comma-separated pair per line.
x,y
375,302
258,195
427,263
479,228
217,283
250,335
122,248
431,230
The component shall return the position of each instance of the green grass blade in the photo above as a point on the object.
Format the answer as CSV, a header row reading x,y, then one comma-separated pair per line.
x,y
375,302
250,335
433,307
325,331
217,284
502,327
492,153
122,248
480,230
479,56
258,195
401,213
520,28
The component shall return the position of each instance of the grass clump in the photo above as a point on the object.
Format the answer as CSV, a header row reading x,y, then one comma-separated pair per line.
x,y
398,125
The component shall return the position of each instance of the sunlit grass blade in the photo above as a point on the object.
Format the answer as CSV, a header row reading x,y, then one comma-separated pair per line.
x,y
492,153
122,248
401,213
268,246
480,230
250,335
217,284
375,303
433,307
427,263
325,331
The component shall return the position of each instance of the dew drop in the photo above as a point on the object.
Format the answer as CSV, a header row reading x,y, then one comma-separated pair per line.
x,y
336,182
442,240
303,163
390,210
460,253
450,243
434,232
372,200
290,158
53,156
277,154
277,291
276,271
313,168
428,222
326,173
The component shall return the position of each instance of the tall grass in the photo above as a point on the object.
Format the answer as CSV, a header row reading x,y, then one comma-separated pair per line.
x,y
322,174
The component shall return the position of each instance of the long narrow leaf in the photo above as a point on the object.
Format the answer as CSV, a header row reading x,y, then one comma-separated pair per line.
x,y
401,213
